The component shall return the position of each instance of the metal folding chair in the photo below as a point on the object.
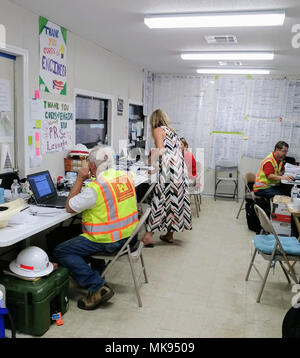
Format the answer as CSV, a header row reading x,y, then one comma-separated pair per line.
x,y
273,248
249,194
226,173
125,255
143,205
195,189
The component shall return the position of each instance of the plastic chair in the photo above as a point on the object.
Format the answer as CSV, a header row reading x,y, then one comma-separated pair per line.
x,y
195,188
224,173
273,248
249,194
125,255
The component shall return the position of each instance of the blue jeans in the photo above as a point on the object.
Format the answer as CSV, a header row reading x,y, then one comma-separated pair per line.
x,y
74,254
269,192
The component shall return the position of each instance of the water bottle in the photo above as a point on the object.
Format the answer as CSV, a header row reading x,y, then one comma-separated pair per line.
x,y
2,296
15,189
3,311
1,193
294,192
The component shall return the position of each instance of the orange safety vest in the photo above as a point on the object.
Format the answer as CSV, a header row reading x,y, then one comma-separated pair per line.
x,y
115,215
261,180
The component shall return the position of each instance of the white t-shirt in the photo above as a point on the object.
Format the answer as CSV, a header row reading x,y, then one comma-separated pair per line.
x,y
85,200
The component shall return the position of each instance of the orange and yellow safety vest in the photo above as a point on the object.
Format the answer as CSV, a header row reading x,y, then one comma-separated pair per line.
x,y
261,180
115,215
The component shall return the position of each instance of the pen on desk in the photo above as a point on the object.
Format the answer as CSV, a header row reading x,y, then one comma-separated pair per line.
x,y
25,208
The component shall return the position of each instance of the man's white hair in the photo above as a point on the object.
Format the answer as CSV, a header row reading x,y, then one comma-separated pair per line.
x,y
103,157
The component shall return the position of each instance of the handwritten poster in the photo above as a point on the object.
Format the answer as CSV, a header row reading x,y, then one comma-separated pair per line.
x,y
57,127
53,57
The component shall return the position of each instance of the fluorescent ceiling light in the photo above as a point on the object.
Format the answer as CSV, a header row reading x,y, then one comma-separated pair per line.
x,y
227,71
228,56
216,19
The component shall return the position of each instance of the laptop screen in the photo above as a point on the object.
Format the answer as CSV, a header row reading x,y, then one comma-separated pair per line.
x,y
42,186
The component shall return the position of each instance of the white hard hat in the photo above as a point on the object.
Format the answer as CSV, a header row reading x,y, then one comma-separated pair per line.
x,y
31,262
80,150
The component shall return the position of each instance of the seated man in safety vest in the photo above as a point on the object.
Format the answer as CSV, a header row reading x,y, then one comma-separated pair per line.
x,y
109,216
271,171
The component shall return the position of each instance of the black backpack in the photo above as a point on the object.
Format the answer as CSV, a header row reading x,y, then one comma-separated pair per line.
x,y
291,323
252,219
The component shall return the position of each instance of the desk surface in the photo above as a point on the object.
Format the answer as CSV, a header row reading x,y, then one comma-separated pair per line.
x,y
24,224
292,210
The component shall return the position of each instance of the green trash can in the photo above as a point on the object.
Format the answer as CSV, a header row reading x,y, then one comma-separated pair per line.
x,y
32,304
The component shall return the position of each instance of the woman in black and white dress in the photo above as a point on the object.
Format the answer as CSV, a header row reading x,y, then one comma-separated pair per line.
x,y
170,205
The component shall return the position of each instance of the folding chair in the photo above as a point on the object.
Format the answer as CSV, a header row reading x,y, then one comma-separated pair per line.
x,y
249,194
226,172
195,189
274,248
143,205
124,255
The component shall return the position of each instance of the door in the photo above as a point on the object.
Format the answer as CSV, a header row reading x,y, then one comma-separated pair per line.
x,y
7,113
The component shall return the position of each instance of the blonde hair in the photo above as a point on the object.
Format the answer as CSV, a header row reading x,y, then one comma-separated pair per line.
x,y
160,118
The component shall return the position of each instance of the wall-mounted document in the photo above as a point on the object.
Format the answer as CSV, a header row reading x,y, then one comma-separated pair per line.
x,y
5,100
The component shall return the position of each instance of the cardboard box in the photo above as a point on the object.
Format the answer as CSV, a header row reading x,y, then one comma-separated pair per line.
x,y
74,164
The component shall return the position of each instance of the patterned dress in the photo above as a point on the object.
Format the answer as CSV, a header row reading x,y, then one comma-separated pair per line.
x,y
170,206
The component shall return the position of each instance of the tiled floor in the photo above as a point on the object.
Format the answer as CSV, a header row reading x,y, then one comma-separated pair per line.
x,y
196,288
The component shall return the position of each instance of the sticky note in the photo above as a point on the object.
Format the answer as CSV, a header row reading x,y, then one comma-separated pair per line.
x,y
37,144
29,140
37,152
249,76
38,123
36,94
37,136
246,138
216,77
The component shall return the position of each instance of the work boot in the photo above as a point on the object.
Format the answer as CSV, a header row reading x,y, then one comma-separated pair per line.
x,y
93,300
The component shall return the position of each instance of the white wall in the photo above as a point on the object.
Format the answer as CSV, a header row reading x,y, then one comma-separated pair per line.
x,y
90,67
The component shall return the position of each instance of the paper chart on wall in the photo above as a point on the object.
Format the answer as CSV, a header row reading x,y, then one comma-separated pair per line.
x,y
292,107
225,147
188,101
266,98
147,93
262,136
231,97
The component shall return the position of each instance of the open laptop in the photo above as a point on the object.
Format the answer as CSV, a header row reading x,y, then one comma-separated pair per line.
x,y
44,191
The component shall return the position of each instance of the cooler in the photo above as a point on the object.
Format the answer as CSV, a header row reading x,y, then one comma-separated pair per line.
x,y
32,304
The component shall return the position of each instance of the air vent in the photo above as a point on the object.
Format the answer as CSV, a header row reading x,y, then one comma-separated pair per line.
x,y
230,63
221,39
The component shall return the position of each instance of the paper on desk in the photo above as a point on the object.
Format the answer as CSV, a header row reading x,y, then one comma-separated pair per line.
x,y
292,169
18,219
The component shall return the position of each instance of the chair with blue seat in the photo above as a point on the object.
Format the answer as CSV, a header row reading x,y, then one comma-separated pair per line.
x,y
274,248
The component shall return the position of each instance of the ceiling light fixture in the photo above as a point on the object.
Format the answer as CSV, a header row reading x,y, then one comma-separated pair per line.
x,y
228,56
227,71
216,19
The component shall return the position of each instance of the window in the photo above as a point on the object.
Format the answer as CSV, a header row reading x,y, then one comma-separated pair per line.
x,y
91,120
136,131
